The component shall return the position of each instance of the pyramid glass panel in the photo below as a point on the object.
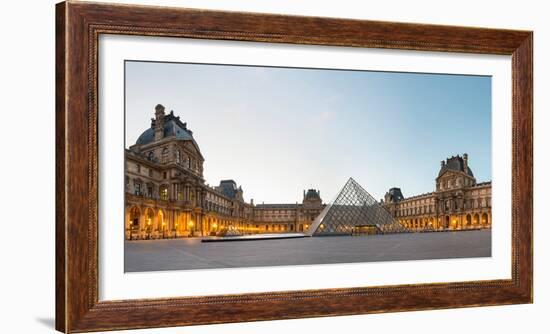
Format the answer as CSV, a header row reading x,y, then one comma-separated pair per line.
x,y
354,208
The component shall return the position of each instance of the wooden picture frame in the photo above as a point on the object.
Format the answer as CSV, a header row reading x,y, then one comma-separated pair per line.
x,y
78,26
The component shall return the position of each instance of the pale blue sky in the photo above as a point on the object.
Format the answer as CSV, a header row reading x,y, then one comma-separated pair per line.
x,y
277,131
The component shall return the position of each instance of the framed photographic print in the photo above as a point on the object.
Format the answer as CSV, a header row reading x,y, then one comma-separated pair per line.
x,y
223,166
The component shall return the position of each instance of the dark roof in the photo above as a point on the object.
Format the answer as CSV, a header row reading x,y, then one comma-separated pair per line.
x,y
228,188
395,195
312,194
456,164
172,127
481,184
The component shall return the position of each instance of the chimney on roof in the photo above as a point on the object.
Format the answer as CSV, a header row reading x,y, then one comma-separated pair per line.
x,y
465,158
159,122
442,163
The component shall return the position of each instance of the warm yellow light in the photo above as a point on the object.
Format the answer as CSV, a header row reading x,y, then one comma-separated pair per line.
x,y
191,223
215,225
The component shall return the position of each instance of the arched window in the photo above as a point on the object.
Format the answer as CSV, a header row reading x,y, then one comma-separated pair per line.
x,y
165,155
151,156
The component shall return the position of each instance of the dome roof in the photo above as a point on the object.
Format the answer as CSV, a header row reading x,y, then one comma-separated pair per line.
x,y
456,164
312,194
172,127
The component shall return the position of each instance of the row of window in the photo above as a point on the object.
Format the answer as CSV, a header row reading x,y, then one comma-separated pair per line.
x,y
415,211
450,183
149,172
274,215
148,190
210,206
446,206
181,159
416,203
217,199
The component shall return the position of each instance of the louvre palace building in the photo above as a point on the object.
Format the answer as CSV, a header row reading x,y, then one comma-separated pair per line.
x,y
458,202
166,195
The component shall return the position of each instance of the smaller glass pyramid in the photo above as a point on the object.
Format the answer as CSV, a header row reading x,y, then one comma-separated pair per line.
x,y
354,208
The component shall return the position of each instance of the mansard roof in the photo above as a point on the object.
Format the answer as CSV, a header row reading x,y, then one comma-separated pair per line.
x,y
455,164
229,188
172,127
395,195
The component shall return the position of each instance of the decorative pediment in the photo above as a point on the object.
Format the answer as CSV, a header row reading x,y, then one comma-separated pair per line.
x,y
192,146
449,173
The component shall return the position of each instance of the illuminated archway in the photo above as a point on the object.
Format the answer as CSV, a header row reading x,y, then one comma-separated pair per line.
x,y
484,219
133,224
454,222
476,219
149,216
161,222
468,220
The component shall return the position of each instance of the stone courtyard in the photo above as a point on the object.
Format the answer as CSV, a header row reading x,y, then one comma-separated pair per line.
x,y
191,253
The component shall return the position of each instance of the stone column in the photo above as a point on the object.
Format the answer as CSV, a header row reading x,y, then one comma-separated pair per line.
x,y
142,223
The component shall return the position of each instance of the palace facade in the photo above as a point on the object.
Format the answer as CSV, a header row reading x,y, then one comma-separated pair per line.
x,y
458,202
166,195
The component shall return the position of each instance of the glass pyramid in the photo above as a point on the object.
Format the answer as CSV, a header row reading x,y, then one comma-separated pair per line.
x,y
353,208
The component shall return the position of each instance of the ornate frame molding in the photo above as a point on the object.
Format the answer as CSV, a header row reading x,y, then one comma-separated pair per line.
x,y
78,27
